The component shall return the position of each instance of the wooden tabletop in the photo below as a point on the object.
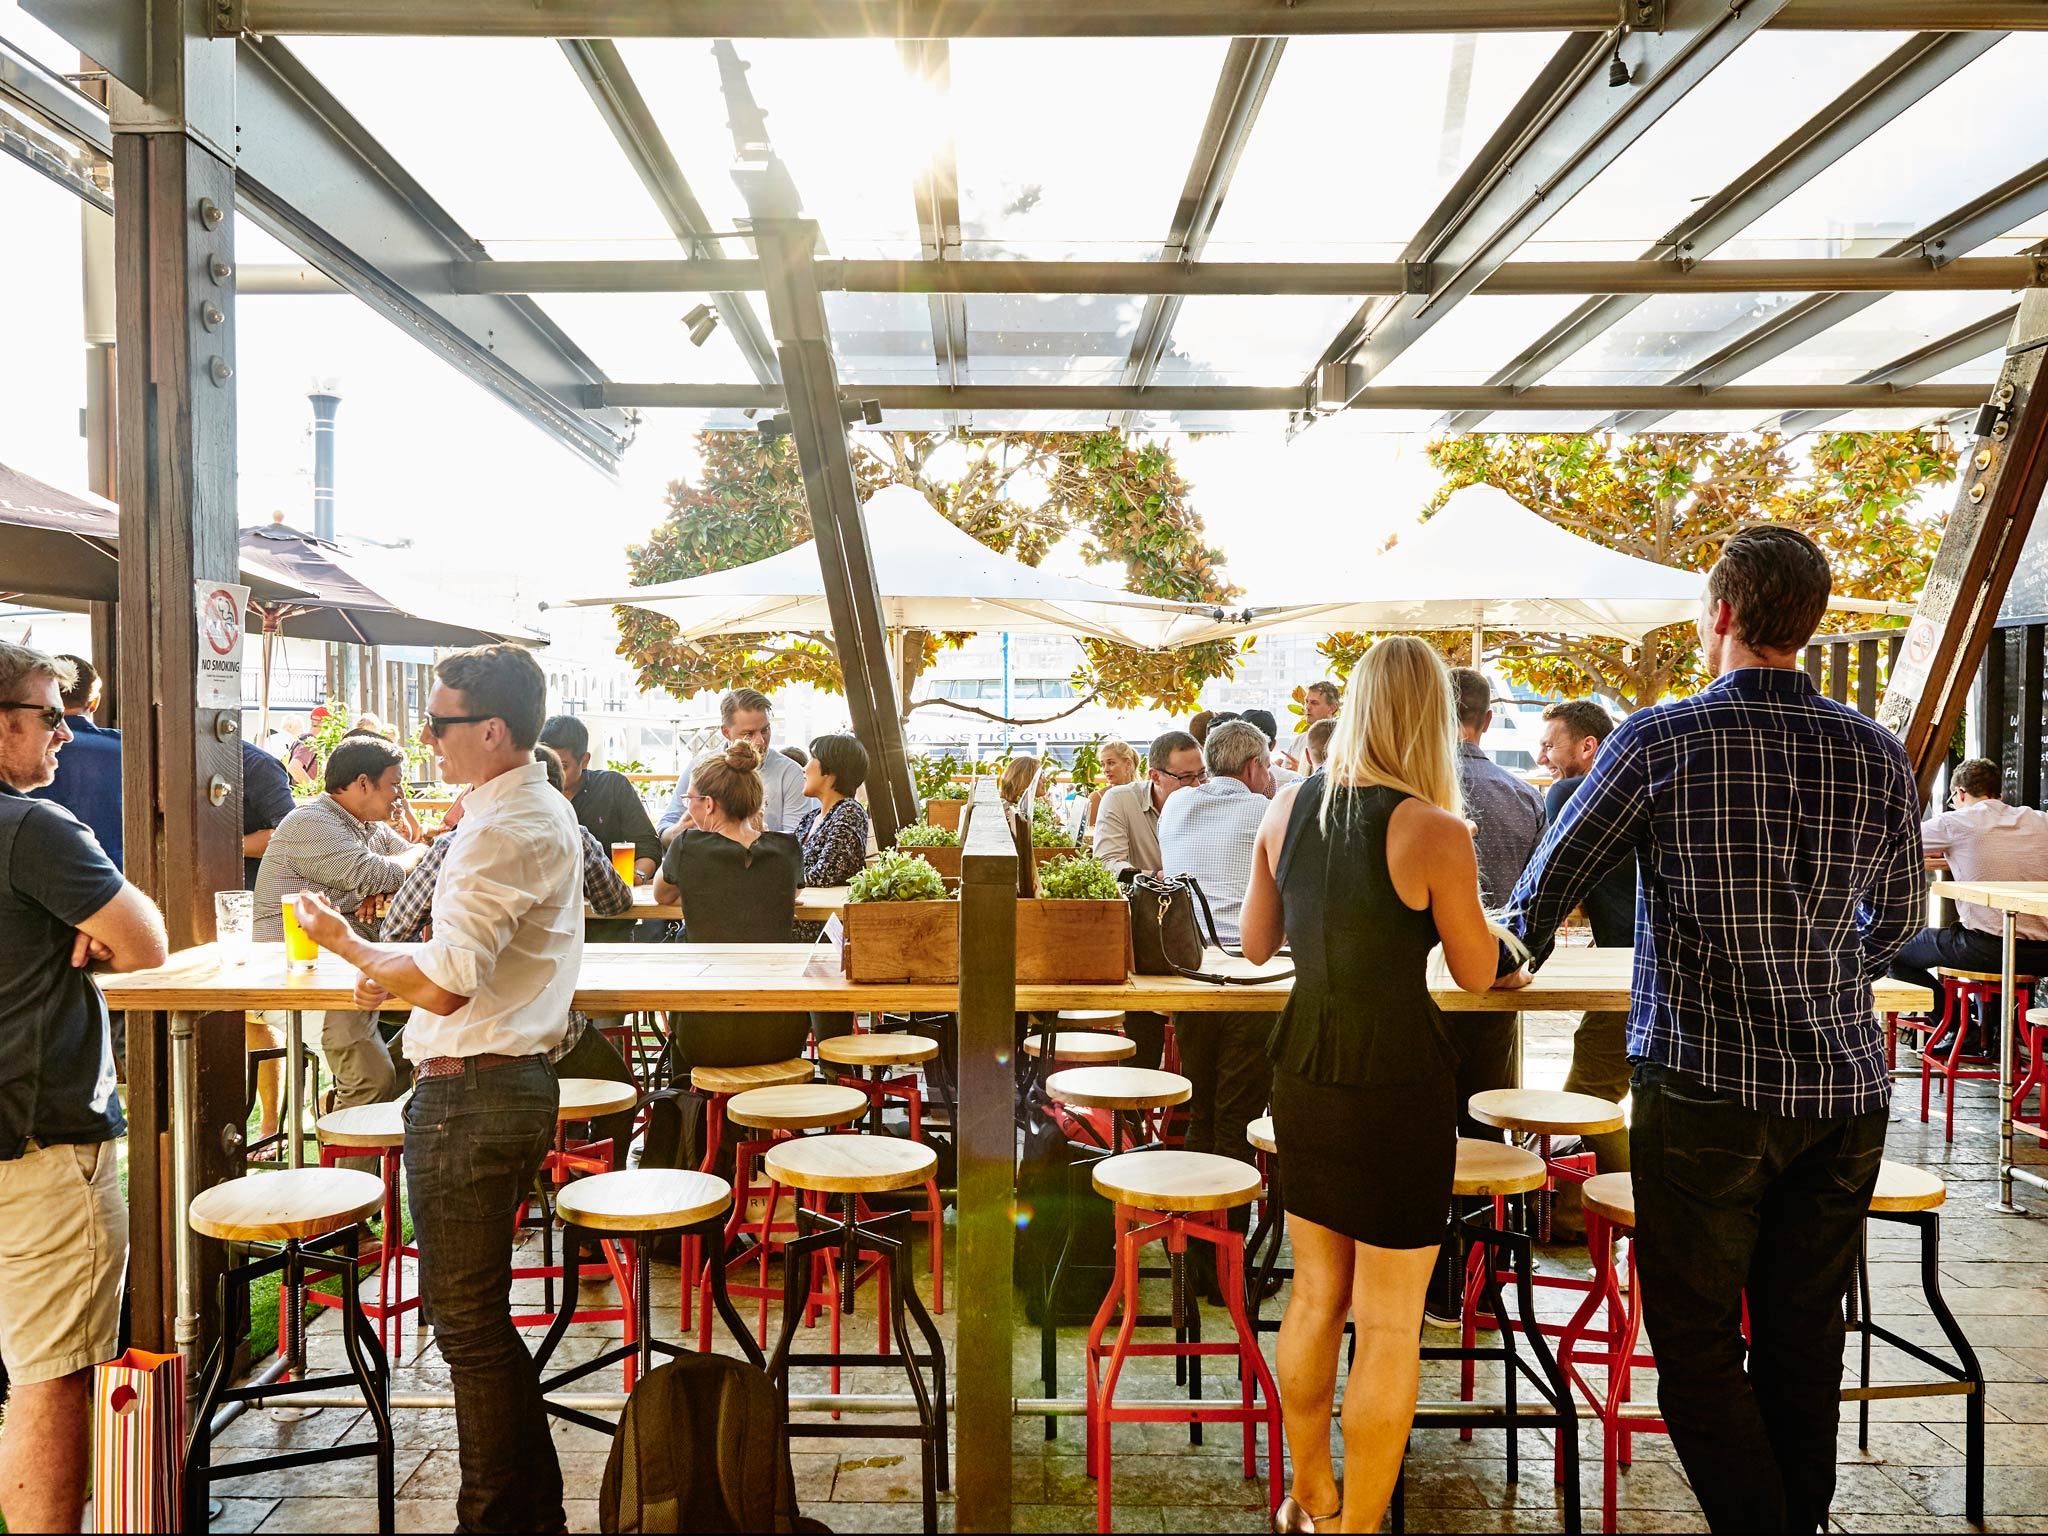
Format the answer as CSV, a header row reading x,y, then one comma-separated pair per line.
x,y
814,903
2026,896
624,978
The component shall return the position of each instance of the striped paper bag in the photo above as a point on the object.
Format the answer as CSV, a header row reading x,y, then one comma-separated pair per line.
x,y
138,1422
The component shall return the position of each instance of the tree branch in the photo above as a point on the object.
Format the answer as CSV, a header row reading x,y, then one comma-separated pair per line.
x,y
988,714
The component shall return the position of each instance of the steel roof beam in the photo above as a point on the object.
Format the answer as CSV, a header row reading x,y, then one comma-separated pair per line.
x,y
610,83
1568,128
1043,18
1248,70
1894,84
1886,274
2014,201
1922,364
1217,397
312,175
937,193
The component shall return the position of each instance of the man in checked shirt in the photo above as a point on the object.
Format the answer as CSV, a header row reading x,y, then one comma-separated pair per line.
x,y
1776,838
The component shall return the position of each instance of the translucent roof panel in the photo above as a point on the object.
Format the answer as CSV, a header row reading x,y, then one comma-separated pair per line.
x,y
1543,421
854,128
1895,325
1477,338
24,32
500,133
1667,334
1965,136
1360,137
1016,338
1236,339
882,338
1098,177
1725,124
640,338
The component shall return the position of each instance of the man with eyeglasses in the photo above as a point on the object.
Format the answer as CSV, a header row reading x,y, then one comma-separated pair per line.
x,y
743,715
64,912
490,992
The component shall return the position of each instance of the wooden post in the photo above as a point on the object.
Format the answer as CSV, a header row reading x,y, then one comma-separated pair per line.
x,y
985,1141
2004,469
181,764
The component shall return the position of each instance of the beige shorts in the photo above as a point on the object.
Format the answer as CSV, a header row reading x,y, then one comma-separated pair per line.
x,y
63,1254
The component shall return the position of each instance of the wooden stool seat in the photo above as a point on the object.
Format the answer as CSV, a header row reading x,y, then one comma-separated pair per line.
x,y
1260,1133
1119,1088
2037,1016
1612,1195
1495,1168
1903,1187
740,1079
1089,1018
643,1200
851,1165
1082,1045
292,1203
585,1098
363,1125
1177,1181
797,1107
877,1050
1545,1112
1991,976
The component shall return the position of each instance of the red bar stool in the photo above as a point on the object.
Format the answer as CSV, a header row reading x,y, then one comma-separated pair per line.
x,y
876,1054
1539,1114
376,1130
581,1099
1941,1044
787,1110
1165,1196
1073,1048
719,1084
1610,1217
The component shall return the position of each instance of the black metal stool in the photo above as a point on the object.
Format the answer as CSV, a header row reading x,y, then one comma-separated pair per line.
x,y
845,1168
308,1212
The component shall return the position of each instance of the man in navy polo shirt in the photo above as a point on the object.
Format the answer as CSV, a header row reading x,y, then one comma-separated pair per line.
x,y
64,909
88,782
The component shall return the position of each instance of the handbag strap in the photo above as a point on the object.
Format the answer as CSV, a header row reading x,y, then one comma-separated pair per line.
x,y
1217,977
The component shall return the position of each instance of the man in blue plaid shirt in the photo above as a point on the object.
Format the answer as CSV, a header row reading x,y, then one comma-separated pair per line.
x,y
1776,840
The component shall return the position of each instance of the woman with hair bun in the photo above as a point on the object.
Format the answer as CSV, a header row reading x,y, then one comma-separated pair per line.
x,y
737,885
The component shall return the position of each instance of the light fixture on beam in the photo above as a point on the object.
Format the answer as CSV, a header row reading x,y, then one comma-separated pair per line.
x,y
853,412
702,321
1337,384
1617,71
772,426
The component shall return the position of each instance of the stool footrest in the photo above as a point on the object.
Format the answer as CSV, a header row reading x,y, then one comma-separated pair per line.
x,y
331,1383
285,1461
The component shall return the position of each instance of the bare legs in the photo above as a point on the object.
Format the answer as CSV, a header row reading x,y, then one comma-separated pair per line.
x,y
43,1454
1383,1289
259,1034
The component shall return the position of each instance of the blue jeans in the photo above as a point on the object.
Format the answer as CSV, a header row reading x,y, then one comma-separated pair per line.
x,y
1735,1203
473,1146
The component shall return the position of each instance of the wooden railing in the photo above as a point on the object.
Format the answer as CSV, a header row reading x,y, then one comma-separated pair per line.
x,y
1851,669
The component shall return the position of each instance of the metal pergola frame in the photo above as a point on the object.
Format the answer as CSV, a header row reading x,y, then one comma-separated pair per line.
x,y
210,107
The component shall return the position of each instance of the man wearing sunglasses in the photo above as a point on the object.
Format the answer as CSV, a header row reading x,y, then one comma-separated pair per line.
x,y
64,909
490,993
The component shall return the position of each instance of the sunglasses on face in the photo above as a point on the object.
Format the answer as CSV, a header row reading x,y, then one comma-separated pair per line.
x,y
49,714
438,725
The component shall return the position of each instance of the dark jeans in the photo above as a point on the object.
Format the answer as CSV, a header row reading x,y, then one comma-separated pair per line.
x,y
1223,1055
1963,949
1487,1045
1148,1033
596,1057
473,1145
1733,1202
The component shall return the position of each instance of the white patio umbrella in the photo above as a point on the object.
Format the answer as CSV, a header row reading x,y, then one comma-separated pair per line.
x,y
932,576
1484,562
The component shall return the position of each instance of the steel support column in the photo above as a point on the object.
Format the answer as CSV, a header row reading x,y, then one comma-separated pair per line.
x,y
985,1140
181,763
2004,470
796,315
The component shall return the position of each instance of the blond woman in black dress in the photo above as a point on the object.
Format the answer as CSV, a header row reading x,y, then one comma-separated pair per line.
x,y
1363,869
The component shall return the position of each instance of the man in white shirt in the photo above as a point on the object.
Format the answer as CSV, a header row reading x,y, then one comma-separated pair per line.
x,y
1319,701
1983,838
1208,833
743,715
490,994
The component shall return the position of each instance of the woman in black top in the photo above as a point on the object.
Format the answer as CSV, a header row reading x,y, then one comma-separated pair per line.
x,y
835,836
1363,869
737,886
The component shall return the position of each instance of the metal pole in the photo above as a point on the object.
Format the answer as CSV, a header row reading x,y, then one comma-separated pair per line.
x,y
2007,967
295,1069
184,1186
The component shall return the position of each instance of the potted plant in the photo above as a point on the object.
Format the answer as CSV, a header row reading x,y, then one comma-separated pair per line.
x,y
1049,840
943,808
937,846
900,924
1068,932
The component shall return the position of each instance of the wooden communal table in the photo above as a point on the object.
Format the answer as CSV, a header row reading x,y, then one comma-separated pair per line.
x,y
814,903
2009,899
686,978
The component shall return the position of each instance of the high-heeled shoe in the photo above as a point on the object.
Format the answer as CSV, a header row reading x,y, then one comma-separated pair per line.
x,y
1290,1519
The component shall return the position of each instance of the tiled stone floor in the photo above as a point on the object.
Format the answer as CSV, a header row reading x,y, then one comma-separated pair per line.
x,y
1994,1271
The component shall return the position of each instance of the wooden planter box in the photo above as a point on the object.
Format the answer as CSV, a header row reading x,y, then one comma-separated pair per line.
x,y
944,813
903,940
1072,941
945,860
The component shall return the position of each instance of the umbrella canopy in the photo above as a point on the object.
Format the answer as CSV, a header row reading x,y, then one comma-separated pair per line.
x,y
54,543
1485,561
933,576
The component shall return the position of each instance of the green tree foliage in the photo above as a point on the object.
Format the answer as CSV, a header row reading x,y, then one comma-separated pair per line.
x,y
1673,499
1017,494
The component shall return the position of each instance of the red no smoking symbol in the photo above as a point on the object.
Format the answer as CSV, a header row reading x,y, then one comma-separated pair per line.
x,y
220,622
1920,640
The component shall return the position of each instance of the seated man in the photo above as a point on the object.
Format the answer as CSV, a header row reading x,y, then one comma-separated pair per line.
x,y
745,715
342,845
1207,831
1983,838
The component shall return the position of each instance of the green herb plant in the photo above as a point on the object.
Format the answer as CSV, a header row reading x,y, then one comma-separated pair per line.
x,y
1087,770
1080,878
932,773
1046,831
897,876
923,834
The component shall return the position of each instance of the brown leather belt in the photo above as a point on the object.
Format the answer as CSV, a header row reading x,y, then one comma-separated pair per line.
x,y
451,1066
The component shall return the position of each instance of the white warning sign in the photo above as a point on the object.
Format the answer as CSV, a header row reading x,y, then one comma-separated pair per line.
x,y
221,608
